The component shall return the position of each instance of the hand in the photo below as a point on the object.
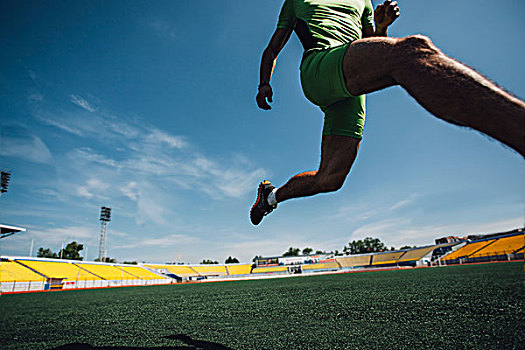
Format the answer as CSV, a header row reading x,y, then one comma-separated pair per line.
x,y
265,92
386,13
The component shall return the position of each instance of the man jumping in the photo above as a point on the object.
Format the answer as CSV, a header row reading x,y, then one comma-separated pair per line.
x,y
346,57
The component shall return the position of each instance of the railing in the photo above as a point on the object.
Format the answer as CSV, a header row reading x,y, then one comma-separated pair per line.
x,y
504,255
33,286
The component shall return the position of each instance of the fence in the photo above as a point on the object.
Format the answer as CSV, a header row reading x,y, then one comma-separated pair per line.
x,y
487,257
50,284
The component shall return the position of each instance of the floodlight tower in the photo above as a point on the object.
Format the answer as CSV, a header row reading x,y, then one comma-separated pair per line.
x,y
4,182
105,217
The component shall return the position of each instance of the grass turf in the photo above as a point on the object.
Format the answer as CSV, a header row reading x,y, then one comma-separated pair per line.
x,y
474,307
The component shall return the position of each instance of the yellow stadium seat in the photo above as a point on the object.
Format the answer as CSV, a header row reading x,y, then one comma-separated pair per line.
x,y
386,258
416,254
141,273
501,246
321,266
354,260
179,270
270,269
468,249
65,270
239,269
206,270
11,271
107,272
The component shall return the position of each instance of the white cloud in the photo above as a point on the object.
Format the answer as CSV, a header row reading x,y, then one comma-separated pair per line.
x,y
404,202
83,191
82,103
90,155
143,172
16,142
379,228
170,240
150,207
92,188
63,126
157,136
54,235
48,192
130,190
97,184
167,163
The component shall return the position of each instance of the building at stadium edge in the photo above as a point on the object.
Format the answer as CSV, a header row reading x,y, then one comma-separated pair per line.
x,y
26,274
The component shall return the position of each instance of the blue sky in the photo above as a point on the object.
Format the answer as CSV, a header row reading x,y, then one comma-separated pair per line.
x,y
148,108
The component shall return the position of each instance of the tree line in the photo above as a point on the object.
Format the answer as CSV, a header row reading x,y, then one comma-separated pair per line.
x,y
72,252
361,246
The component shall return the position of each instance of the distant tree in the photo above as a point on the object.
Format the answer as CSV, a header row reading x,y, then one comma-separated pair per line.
x,y
130,262
208,262
255,258
319,252
407,247
71,251
338,253
46,253
392,248
107,260
368,245
307,251
231,260
292,252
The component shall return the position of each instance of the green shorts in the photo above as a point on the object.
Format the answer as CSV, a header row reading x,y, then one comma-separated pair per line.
x,y
324,85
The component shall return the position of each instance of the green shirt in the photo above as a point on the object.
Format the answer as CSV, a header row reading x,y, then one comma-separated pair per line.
x,y
322,24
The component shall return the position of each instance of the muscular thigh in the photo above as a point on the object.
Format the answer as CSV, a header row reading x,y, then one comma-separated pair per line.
x,y
368,64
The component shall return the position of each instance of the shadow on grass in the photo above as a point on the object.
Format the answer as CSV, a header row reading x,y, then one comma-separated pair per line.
x,y
192,344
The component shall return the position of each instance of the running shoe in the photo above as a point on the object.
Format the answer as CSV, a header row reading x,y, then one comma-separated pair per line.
x,y
261,208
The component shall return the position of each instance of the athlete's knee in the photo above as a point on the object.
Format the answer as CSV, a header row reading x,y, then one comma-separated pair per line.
x,y
330,182
415,47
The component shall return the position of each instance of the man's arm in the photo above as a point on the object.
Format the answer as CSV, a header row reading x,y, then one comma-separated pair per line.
x,y
269,57
384,15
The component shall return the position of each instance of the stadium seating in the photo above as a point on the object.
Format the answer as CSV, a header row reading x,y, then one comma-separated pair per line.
x,y
321,266
11,271
416,254
387,258
210,270
243,269
270,269
467,250
141,273
501,246
354,260
179,270
65,270
107,272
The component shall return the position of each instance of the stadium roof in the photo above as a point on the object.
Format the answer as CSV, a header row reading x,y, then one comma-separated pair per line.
x,y
6,230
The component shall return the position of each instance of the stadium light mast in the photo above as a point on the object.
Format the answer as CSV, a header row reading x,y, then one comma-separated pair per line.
x,y
105,217
4,182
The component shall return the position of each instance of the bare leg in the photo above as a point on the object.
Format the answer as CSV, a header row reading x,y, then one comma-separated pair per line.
x,y
337,156
446,88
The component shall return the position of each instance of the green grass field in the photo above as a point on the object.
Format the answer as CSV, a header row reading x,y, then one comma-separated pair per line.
x,y
474,307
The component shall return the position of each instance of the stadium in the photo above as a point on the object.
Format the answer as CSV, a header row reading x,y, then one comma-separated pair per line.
x,y
471,290
25,274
